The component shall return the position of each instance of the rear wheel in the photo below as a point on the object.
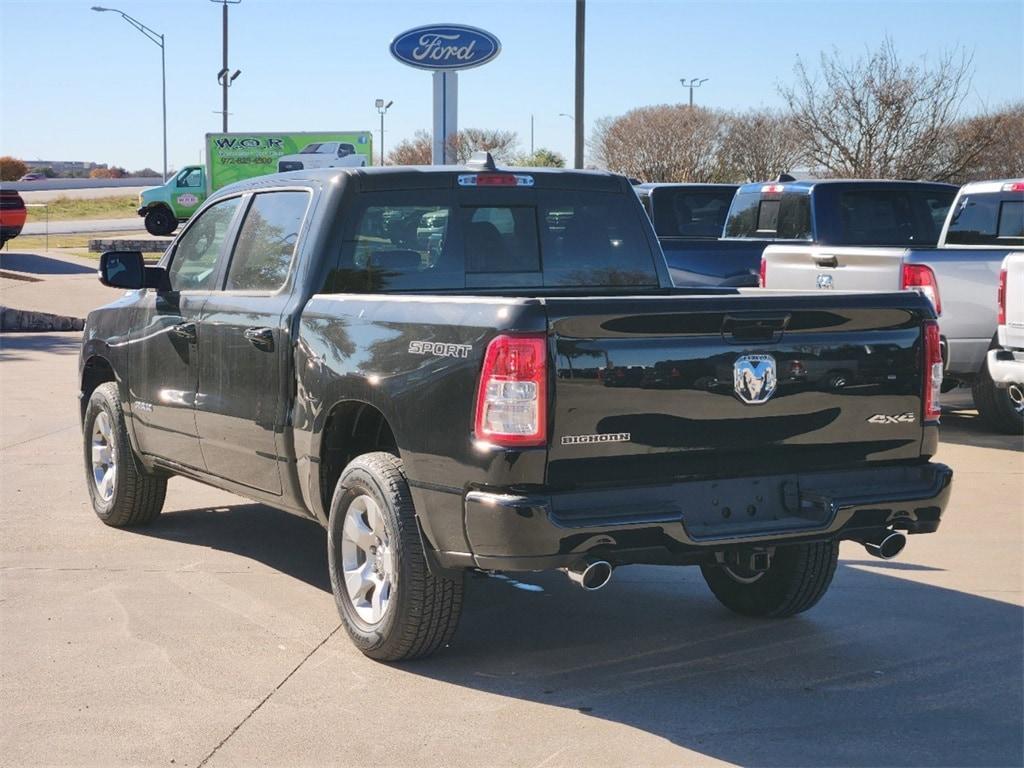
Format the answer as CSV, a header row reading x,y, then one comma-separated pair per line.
x,y
122,492
392,606
798,577
1001,408
160,221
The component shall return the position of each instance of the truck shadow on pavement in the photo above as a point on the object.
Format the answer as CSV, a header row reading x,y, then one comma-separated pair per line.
x,y
18,345
884,671
35,264
968,428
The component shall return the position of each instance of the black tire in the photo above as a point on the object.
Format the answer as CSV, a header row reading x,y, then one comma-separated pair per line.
x,y
997,406
422,609
136,496
799,576
160,221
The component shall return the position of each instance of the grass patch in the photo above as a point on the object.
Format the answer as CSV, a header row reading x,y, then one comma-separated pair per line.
x,y
38,242
67,208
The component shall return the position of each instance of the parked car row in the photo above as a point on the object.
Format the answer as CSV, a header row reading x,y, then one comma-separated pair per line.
x,y
863,235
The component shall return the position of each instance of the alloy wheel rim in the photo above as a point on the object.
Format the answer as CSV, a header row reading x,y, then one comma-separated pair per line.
x,y
104,456
367,559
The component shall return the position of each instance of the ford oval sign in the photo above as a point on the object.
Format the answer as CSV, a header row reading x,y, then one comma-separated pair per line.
x,y
445,47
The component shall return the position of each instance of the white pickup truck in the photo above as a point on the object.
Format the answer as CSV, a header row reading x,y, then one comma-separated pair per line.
x,y
322,154
984,224
1006,362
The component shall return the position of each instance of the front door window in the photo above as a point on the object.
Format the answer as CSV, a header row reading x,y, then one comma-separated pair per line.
x,y
194,266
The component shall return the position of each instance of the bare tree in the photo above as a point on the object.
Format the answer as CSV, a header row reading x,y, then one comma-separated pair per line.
x,y
760,144
414,151
666,142
990,146
879,116
501,144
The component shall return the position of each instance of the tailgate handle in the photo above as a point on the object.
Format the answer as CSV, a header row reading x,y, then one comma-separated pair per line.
x,y
755,327
826,261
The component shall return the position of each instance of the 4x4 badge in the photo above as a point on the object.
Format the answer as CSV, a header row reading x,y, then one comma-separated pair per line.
x,y
754,378
899,418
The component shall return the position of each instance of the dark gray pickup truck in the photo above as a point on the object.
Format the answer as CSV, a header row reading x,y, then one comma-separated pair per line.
x,y
472,368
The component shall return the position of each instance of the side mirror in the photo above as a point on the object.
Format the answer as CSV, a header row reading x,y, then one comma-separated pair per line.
x,y
128,270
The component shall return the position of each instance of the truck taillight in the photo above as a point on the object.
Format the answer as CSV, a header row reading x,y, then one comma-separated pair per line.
x,y
511,401
762,278
1001,298
932,371
920,277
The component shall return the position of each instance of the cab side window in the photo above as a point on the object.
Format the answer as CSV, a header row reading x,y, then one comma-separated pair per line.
x,y
194,264
266,242
191,178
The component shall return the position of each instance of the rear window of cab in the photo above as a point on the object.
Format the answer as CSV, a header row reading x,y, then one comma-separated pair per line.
x,y
785,216
441,239
989,218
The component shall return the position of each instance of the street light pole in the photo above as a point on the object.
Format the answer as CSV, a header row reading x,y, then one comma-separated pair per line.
x,y
382,108
222,76
581,14
694,83
157,38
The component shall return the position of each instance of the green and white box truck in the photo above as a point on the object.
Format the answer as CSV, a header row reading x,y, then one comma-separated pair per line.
x,y
232,157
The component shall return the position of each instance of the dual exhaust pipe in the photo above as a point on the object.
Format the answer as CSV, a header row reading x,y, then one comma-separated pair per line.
x,y
887,546
592,575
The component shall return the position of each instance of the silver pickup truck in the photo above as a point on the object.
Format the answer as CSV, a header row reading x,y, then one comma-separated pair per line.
x,y
984,224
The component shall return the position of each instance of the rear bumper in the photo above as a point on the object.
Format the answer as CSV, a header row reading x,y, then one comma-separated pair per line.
x,y
1006,366
673,522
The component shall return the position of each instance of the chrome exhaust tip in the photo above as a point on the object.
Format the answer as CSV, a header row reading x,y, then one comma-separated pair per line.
x,y
590,575
888,547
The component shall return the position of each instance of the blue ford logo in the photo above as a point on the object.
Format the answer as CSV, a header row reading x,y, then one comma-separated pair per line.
x,y
445,46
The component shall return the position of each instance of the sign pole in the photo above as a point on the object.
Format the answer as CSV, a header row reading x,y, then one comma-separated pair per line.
x,y
446,110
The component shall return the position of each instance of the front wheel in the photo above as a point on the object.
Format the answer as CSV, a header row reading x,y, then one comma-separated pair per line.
x,y
798,577
1002,408
160,221
122,492
392,606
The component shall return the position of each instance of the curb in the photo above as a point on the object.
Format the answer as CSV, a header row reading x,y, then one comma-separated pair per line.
x,y
27,320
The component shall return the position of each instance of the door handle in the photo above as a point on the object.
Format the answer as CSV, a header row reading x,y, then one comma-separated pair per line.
x,y
259,337
185,331
826,261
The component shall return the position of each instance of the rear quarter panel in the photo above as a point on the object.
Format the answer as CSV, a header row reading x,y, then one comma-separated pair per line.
x,y
1011,335
357,348
967,279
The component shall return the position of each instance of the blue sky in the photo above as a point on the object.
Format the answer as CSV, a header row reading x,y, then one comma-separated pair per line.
x,y
79,85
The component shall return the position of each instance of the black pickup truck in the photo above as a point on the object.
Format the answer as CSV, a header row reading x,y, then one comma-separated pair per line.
x,y
471,368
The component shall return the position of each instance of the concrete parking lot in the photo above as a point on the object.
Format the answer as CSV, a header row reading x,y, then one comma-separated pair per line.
x,y
211,638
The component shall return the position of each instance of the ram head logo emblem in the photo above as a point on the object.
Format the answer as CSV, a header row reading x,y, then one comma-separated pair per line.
x,y
754,378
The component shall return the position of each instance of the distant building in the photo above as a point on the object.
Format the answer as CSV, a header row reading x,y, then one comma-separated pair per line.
x,y
64,167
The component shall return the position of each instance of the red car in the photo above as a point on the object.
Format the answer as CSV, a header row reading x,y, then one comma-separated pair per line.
x,y
12,215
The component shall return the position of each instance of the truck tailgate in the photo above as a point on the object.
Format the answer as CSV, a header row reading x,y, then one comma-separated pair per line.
x,y
649,389
822,267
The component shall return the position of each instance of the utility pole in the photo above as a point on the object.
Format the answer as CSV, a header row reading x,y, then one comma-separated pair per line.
x,y
382,108
531,134
222,76
694,83
581,13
